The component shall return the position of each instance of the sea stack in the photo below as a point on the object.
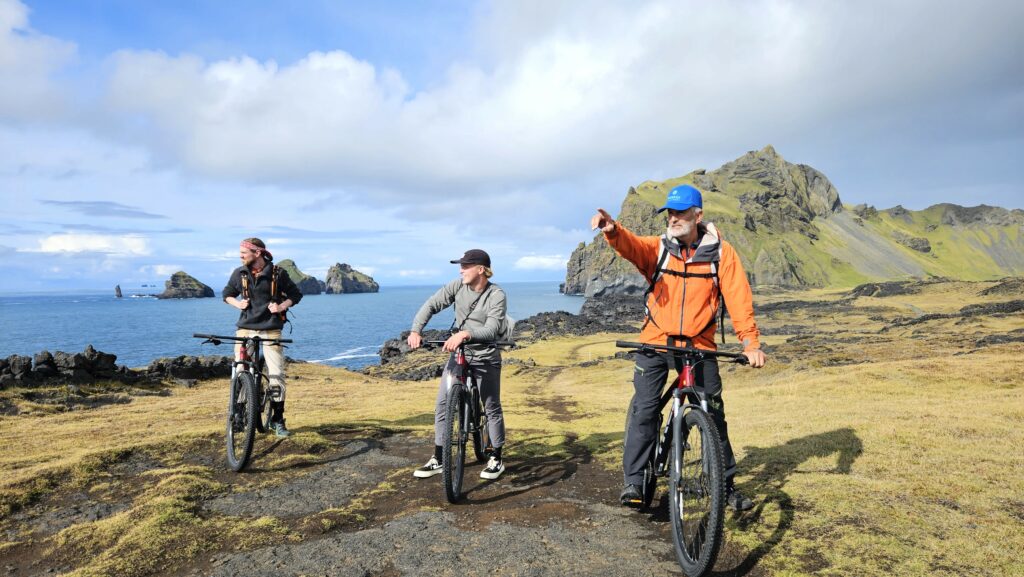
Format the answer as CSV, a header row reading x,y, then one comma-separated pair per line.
x,y
342,278
183,286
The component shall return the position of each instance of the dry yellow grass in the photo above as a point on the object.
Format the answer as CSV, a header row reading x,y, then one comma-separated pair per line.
x,y
867,452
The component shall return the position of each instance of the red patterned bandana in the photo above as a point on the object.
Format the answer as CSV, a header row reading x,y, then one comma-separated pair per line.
x,y
257,249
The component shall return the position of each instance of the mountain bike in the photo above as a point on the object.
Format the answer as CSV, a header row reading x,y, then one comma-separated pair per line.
x,y
689,451
249,407
464,419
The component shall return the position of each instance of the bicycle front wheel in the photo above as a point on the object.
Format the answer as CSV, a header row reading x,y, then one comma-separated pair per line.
x,y
453,458
696,492
242,417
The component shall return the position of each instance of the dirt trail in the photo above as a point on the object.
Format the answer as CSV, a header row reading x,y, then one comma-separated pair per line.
x,y
356,509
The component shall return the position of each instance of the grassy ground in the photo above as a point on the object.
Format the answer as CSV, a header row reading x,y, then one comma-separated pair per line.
x,y
869,448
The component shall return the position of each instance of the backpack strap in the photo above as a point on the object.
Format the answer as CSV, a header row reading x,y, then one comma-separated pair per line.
x,y
245,283
662,257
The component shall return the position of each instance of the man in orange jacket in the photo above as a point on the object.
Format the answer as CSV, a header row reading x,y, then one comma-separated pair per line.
x,y
699,271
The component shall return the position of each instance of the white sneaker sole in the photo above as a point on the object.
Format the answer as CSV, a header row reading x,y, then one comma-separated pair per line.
x,y
492,476
426,474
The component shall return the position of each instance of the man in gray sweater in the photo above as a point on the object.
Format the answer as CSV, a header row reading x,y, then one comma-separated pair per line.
x,y
479,318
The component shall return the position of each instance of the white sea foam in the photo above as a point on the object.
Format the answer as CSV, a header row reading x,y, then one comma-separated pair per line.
x,y
355,353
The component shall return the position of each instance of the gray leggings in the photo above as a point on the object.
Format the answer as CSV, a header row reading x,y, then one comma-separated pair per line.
x,y
488,376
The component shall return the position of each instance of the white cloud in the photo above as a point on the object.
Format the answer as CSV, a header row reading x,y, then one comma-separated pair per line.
x,y
161,269
555,91
123,245
533,262
27,62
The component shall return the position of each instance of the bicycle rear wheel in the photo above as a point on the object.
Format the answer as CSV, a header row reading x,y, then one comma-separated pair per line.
x,y
481,435
696,492
650,484
453,458
242,417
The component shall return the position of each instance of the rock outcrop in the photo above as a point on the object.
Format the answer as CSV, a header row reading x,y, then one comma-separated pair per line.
x,y
307,284
342,278
183,286
790,228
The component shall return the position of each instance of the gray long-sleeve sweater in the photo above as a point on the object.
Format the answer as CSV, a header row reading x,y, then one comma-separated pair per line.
x,y
484,323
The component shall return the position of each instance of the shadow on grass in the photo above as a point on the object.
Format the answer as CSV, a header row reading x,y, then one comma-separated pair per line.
x,y
770,468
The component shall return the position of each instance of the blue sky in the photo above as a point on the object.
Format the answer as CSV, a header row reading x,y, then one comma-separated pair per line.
x,y
137,139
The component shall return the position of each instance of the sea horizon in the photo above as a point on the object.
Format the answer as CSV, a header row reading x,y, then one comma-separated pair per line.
x,y
338,330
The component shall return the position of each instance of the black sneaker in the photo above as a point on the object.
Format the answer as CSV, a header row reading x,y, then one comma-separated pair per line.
x,y
493,470
736,501
632,496
279,429
429,470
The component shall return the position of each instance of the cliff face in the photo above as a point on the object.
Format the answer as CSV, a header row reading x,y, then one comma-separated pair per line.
x,y
308,285
342,278
791,229
183,286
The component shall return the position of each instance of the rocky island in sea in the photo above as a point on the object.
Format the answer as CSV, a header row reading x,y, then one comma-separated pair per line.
x,y
181,285
341,279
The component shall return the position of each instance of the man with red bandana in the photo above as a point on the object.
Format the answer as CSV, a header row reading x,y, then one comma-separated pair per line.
x,y
263,293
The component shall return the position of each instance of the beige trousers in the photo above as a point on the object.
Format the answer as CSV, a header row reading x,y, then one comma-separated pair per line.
x,y
273,357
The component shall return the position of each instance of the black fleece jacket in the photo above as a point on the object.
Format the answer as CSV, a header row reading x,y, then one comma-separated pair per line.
x,y
257,316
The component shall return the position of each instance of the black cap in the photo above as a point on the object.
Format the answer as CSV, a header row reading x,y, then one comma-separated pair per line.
x,y
474,256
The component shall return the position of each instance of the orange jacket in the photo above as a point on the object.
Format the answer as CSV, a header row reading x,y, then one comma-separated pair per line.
x,y
672,317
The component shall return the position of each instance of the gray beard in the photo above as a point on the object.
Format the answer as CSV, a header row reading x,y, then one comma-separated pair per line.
x,y
684,230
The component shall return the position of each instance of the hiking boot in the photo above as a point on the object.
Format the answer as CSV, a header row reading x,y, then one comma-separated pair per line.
x,y
736,501
493,470
429,470
632,497
279,430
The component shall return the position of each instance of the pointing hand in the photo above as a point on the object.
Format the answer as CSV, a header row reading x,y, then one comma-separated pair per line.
x,y
602,220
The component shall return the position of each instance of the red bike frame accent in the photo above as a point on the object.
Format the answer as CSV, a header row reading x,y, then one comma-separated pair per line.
x,y
687,379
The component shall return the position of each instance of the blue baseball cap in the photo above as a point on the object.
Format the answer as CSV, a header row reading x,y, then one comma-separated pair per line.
x,y
683,197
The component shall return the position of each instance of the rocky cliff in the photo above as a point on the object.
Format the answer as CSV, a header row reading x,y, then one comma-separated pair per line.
x,y
342,278
791,229
308,285
183,286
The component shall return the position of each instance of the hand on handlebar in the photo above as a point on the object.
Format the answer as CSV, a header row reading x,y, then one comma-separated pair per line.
x,y
452,344
241,304
414,341
755,358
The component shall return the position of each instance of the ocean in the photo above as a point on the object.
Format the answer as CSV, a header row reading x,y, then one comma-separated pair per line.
x,y
339,330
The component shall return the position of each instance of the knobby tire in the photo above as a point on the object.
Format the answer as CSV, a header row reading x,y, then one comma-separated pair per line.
x,y
696,492
453,457
241,422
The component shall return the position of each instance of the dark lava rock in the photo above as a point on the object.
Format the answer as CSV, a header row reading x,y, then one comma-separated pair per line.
x,y
885,289
920,244
1008,286
189,368
1014,336
393,349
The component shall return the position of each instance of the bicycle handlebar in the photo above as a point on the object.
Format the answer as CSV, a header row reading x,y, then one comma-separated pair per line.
x,y
216,338
738,358
495,343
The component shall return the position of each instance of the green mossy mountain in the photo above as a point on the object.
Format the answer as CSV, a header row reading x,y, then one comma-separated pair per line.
x,y
308,284
792,230
181,285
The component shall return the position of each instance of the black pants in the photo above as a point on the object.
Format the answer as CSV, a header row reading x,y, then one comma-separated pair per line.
x,y
649,376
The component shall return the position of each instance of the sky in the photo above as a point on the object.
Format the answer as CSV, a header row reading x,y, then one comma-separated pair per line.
x,y
139,138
